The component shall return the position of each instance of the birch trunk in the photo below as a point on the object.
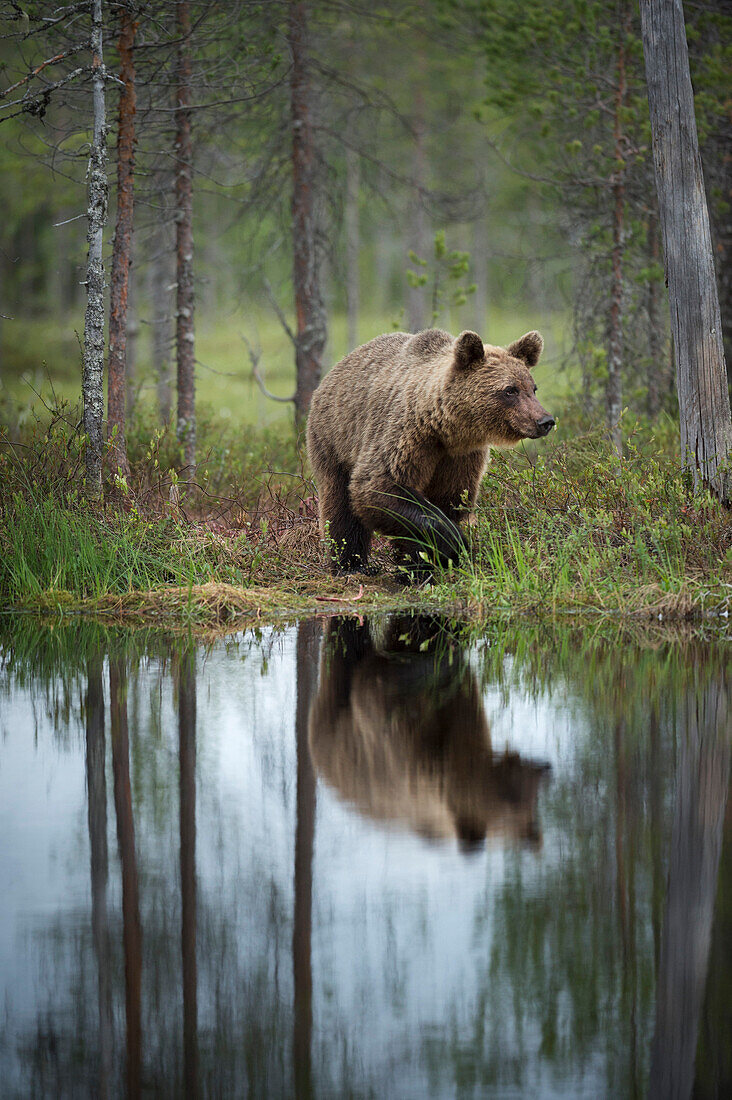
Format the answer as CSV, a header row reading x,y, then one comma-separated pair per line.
x,y
184,333
352,246
701,379
121,254
92,383
310,335
614,394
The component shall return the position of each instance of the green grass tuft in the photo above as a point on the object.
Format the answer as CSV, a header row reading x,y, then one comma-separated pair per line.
x,y
574,527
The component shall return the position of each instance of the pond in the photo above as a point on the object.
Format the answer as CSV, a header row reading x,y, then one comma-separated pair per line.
x,y
351,858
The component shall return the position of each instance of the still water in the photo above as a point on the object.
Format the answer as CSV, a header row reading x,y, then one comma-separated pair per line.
x,y
365,859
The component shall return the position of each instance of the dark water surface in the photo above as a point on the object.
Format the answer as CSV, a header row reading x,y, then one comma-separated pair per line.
x,y
354,859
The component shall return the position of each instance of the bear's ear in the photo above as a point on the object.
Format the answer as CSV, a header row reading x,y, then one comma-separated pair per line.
x,y
469,350
528,348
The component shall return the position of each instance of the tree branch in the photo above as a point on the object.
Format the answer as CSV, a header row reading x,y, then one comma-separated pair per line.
x,y
40,68
33,103
254,357
280,315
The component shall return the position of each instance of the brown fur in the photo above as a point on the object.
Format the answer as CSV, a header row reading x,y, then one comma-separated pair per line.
x,y
402,734
399,432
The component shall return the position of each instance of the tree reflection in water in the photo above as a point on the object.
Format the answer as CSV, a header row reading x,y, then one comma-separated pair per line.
x,y
705,727
186,670
366,973
307,674
132,929
96,787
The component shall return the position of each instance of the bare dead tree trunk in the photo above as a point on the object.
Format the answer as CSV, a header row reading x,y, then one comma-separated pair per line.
x,y
614,393
121,253
310,335
416,313
717,159
187,751
723,226
657,369
131,927
307,677
96,790
701,379
696,842
184,333
353,174
92,383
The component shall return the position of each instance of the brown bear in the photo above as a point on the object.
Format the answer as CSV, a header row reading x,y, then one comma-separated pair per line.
x,y
398,729
399,432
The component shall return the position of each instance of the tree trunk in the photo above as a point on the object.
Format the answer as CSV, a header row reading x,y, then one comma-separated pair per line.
x,y
307,677
721,215
657,366
310,333
187,751
133,333
131,927
352,246
92,383
161,277
121,254
716,155
704,409
614,394
184,335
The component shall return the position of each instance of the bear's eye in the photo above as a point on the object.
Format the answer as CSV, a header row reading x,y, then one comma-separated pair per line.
x,y
511,391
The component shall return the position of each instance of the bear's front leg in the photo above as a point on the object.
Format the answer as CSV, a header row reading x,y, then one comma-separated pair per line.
x,y
424,534
349,539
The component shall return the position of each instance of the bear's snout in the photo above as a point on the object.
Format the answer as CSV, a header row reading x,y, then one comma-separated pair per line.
x,y
545,425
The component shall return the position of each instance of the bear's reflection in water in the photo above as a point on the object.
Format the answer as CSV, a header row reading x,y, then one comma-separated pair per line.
x,y
398,729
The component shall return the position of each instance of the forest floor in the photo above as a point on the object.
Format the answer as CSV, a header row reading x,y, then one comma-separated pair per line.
x,y
561,529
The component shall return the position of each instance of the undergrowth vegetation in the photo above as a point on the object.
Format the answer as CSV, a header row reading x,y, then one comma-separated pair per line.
x,y
574,526
565,526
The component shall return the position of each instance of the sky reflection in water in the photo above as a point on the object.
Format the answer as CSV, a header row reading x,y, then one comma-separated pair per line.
x,y
364,859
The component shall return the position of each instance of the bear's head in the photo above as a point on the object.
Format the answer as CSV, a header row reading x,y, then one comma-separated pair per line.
x,y
494,393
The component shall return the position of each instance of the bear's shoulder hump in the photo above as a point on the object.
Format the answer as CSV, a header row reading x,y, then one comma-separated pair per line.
x,y
425,344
